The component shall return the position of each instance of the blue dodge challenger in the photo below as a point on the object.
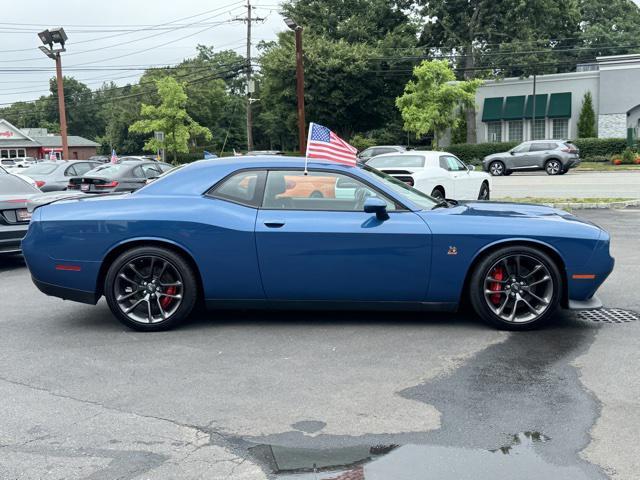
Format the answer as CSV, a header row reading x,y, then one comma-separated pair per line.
x,y
262,232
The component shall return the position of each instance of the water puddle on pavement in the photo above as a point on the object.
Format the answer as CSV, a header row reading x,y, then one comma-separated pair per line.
x,y
517,459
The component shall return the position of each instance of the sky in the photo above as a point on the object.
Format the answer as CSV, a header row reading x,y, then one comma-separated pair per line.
x,y
141,33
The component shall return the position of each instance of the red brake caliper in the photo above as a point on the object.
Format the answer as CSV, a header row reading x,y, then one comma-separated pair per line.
x,y
498,274
166,301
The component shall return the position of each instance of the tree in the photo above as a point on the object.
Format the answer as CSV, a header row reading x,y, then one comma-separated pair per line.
x,y
429,103
170,117
587,118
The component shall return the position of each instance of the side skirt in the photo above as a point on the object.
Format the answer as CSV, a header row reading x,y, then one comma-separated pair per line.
x,y
251,304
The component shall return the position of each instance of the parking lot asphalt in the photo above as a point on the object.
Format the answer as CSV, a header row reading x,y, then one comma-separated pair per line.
x,y
83,397
578,184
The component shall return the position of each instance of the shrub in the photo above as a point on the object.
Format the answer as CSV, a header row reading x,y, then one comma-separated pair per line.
x,y
361,142
599,147
628,156
597,158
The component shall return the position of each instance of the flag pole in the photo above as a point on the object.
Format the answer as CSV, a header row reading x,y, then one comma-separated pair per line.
x,y
306,153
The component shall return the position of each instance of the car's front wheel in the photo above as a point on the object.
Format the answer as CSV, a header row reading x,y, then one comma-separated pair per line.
x,y
516,288
150,288
496,168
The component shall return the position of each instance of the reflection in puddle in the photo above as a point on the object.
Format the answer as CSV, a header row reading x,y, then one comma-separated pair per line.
x,y
517,459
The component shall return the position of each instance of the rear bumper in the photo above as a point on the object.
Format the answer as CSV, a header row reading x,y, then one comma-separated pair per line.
x,y
66,293
11,236
591,304
572,163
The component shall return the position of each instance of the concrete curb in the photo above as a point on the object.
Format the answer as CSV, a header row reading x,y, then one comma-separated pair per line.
x,y
590,206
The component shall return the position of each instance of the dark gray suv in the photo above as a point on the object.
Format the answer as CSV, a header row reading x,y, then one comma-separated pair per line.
x,y
555,157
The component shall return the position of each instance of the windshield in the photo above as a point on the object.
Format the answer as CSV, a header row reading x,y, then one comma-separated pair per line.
x,y
41,169
421,199
397,161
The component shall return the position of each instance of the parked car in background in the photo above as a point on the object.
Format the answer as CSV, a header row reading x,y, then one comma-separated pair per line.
x,y
555,157
137,158
439,174
100,158
253,153
29,180
127,176
21,162
54,176
14,216
371,152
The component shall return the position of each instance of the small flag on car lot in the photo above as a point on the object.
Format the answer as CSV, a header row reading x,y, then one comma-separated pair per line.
x,y
209,155
326,145
114,157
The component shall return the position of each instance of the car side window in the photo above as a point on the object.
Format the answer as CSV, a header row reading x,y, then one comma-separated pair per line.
x,y
451,164
71,171
521,148
151,171
82,168
541,147
138,173
318,190
366,153
385,150
244,188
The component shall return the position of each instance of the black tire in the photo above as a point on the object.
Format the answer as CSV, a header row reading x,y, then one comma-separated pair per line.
x,y
563,171
485,193
507,173
437,193
316,194
553,167
497,168
185,276
481,298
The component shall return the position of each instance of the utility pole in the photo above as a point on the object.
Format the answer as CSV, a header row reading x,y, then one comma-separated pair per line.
x,y
249,19
48,38
533,120
302,137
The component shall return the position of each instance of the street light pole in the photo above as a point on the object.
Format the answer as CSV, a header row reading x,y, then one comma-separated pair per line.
x,y
302,137
61,108
48,38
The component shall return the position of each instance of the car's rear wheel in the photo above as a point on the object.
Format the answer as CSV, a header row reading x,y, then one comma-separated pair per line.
x,y
516,288
150,288
484,194
496,168
553,167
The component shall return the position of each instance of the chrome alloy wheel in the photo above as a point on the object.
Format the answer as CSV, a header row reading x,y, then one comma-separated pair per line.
x,y
496,169
518,288
553,167
148,289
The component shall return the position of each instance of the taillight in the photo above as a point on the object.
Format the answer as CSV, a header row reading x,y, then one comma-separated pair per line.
x,y
39,183
106,185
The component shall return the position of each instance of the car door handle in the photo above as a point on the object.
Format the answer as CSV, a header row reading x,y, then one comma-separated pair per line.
x,y
274,223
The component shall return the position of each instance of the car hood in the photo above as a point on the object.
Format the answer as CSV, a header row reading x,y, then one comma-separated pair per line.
x,y
498,211
495,155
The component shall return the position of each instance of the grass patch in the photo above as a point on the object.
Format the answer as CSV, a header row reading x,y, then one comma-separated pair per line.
x,y
562,200
605,167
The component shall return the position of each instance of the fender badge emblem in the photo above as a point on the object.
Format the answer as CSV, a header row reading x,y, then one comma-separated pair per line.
x,y
452,251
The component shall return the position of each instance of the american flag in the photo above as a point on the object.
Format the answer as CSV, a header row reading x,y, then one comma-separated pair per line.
x,y
114,157
325,144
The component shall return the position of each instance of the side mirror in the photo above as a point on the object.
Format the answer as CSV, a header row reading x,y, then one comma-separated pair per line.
x,y
377,206
471,167
512,152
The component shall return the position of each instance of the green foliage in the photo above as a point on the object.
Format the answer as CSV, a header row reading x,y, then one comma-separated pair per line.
x,y
587,118
170,117
429,102
459,134
474,153
599,147
361,142
628,156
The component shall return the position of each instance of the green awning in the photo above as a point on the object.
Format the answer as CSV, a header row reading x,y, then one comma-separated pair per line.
x,y
514,108
559,105
492,110
541,106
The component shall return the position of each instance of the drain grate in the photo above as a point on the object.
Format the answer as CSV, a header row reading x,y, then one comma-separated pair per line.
x,y
609,315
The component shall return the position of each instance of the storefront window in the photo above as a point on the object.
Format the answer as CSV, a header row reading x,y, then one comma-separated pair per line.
x,y
539,130
494,131
515,131
560,128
